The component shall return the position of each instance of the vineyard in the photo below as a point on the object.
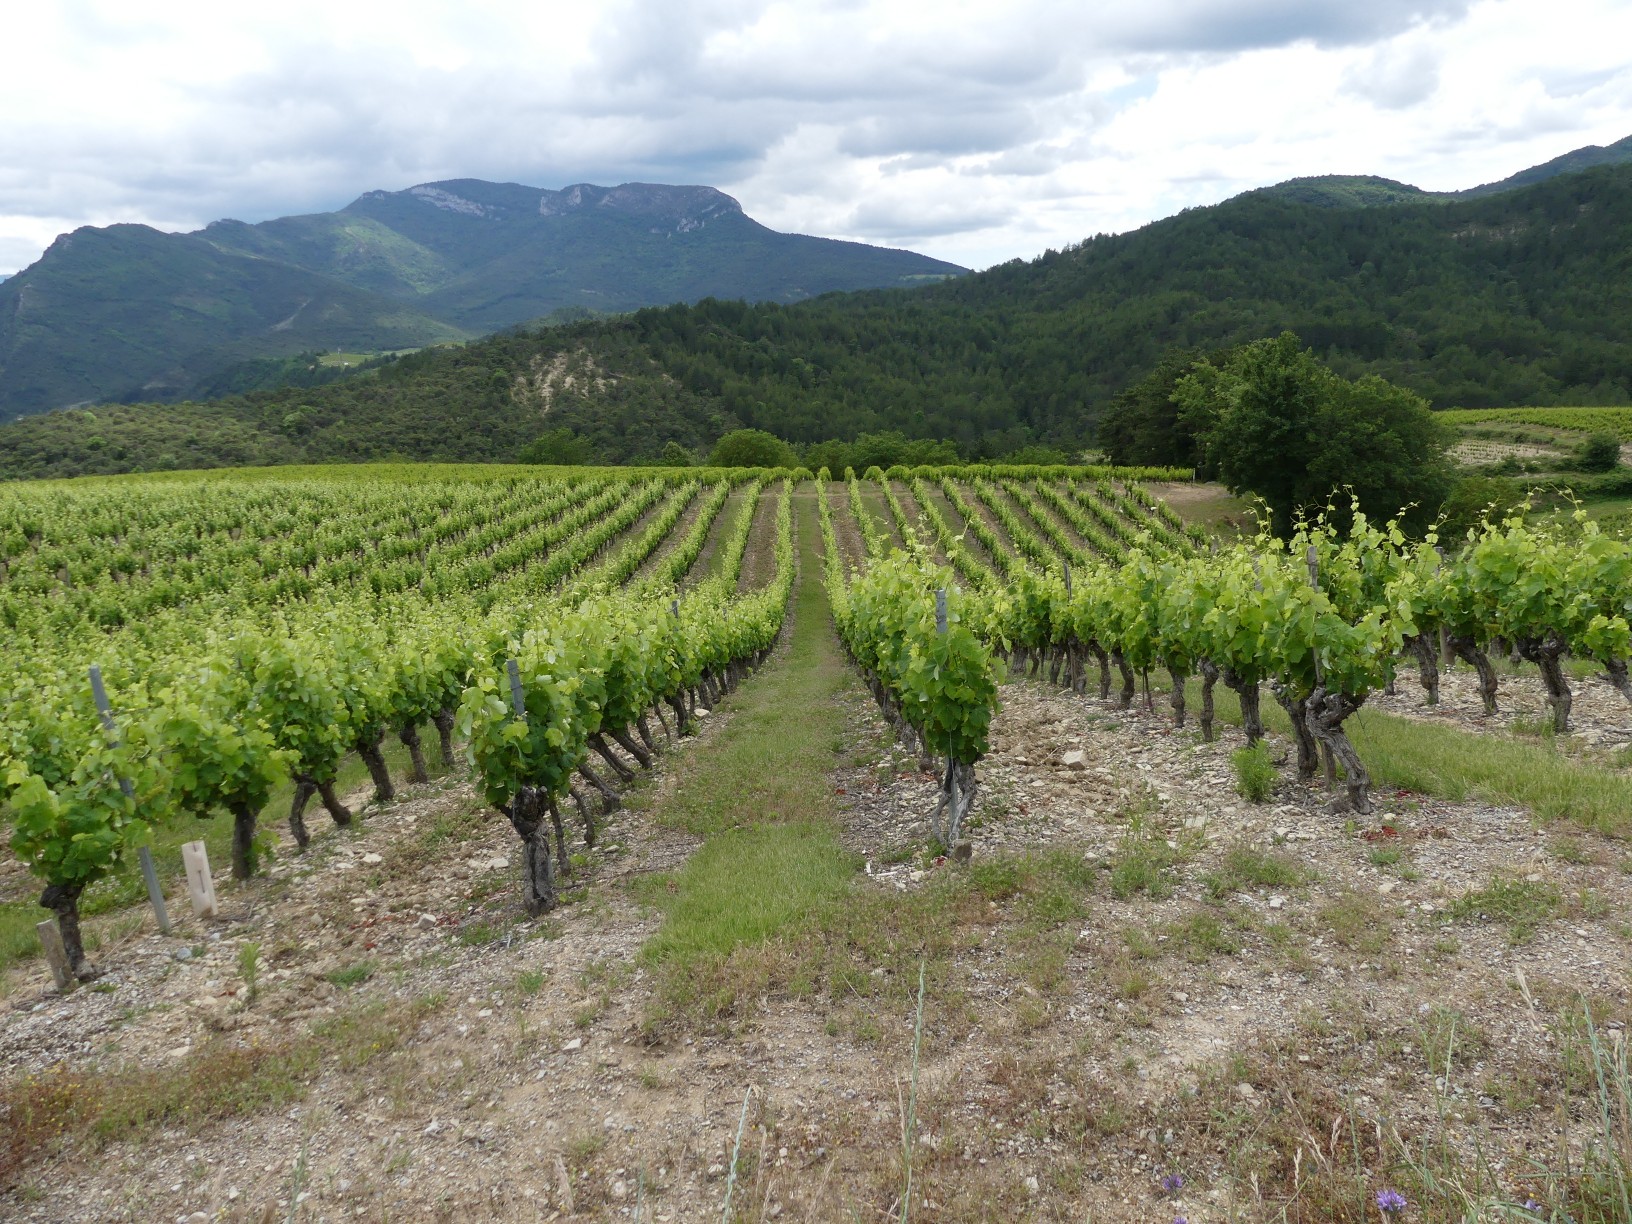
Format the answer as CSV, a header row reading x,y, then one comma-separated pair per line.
x,y
1617,421
205,660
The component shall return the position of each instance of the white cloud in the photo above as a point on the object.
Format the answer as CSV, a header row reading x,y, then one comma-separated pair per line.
x,y
973,131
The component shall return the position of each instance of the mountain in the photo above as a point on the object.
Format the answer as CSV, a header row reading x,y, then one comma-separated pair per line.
x,y
1369,191
1517,297
127,312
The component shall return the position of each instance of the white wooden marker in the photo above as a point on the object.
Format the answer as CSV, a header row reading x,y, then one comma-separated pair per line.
x,y
195,858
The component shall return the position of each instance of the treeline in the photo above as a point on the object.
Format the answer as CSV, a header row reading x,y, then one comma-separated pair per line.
x,y
1516,298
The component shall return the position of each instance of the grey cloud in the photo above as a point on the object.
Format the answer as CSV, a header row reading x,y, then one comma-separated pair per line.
x,y
1242,25
1396,79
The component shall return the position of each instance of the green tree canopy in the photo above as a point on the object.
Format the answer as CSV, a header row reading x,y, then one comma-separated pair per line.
x,y
751,448
1276,422
558,446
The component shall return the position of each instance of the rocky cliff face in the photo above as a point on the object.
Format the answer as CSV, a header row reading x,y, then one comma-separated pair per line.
x,y
666,208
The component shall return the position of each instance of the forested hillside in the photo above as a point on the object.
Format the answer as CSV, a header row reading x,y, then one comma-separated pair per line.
x,y
1523,297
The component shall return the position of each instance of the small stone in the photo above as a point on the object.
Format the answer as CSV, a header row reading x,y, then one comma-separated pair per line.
x,y
1075,759
716,1170
497,861
484,1013
577,1043
199,1217
1276,902
435,1128
1245,1091
620,1191
1033,1186
1387,886
426,922
371,859
1181,996
183,954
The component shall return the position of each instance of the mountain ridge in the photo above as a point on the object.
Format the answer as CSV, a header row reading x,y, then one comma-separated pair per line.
x,y
107,315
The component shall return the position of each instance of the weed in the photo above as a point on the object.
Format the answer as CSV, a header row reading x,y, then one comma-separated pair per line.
x,y
1357,923
1201,936
1385,856
529,982
1521,905
1141,865
1245,866
249,959
1255,772
352,975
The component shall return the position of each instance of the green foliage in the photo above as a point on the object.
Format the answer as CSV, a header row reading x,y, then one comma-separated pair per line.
x,y
1277,423
560,447
1025,352
1254,772
752,448
1601,452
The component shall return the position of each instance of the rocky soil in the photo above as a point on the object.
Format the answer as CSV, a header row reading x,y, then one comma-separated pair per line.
x,y
1066,1068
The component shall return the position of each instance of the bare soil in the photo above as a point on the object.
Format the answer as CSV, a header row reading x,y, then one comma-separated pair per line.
x,y
1179,1027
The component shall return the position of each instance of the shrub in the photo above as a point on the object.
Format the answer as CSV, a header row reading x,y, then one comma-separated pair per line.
x,y
1601,452
1254,772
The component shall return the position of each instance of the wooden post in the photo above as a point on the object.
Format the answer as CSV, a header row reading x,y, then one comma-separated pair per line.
x,y
195,858
150,875
1313,559
1067,565
940,610
55,954
155,894
518,699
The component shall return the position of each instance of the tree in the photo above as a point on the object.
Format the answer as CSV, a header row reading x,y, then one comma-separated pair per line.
x,y
1276,422
560,447
675,455
1601,452
751,448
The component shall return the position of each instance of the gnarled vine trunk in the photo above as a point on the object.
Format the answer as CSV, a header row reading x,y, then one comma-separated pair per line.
x,y
305,788
444,720
1427,653
1176,698
1252,721
1104,670
243,842
63,901
369,750
1124,699
1297,709
1546,654
1324,715
954,800
1615,670
1209,677
526,812
1468,651
409,735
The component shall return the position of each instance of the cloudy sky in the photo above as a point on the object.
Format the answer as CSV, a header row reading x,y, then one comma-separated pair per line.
x,y
976,132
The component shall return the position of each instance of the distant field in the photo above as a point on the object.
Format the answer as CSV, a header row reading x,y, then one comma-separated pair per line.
x,y
1617,421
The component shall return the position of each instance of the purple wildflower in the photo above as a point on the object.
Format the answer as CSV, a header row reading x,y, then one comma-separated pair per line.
x,y
1532,1206
1390,1201
1172,1183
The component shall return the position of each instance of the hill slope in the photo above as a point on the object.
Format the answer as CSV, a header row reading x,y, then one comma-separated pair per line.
x,y
128,311
1521,297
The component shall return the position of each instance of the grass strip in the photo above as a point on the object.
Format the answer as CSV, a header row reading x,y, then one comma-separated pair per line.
x,y
761,792
1436,759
